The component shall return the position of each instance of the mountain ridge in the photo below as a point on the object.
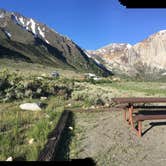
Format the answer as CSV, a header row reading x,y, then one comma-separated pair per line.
x,y
41,44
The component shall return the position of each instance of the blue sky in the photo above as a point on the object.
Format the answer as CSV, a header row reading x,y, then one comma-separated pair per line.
x,y
92,23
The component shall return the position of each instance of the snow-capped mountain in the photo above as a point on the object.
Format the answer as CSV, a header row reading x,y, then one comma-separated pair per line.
x,y
38,43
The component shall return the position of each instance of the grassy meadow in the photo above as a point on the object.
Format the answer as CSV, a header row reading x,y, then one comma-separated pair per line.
x,y
18,127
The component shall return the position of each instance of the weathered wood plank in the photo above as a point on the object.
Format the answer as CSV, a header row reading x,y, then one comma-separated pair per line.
x,y
132,100
141,117
47,154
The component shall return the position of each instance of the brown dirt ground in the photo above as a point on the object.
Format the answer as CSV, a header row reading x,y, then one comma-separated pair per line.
x,y
109,140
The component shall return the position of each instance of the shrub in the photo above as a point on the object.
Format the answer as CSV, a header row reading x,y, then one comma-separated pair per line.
x,y
14,87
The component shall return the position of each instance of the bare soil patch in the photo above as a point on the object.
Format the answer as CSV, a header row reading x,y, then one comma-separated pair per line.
x,y
109,140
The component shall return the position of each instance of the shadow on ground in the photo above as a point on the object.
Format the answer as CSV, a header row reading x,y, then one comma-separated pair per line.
x,y
154,124
62,152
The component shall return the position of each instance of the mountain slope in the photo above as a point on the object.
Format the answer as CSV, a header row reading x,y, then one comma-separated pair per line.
x,y
146,59
36,43
116,57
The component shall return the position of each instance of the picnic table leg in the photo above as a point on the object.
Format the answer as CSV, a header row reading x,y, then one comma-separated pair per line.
x,y
129,112
139,128
131,117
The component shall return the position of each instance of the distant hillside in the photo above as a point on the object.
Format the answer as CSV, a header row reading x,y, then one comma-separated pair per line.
x,y
28,40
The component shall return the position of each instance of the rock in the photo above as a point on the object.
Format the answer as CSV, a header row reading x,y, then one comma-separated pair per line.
x,y
107,105
9,159
53,138
40,78
90,75
70,128
31,141
97,78
92,107
30,107
69,105
113,156
43,98
44,75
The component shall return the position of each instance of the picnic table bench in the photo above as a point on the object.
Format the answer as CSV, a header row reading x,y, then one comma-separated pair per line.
x,y
139,118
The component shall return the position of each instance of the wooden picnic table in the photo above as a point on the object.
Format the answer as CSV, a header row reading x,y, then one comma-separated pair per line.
x,y
134,100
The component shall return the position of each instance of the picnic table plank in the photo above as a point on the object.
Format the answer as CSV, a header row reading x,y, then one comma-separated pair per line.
x,y
132,100
141,117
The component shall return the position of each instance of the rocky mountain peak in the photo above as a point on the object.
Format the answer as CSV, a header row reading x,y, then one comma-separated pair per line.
x,y
36,28
113,49
161,33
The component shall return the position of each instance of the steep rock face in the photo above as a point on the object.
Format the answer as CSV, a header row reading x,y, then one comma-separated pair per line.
x,y
144,59
152,50
117,57
41,44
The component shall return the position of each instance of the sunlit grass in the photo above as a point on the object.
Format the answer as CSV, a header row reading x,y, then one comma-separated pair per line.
x,y
18,127
146,88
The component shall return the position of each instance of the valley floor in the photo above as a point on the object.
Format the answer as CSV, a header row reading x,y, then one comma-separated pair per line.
x,y
103,136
